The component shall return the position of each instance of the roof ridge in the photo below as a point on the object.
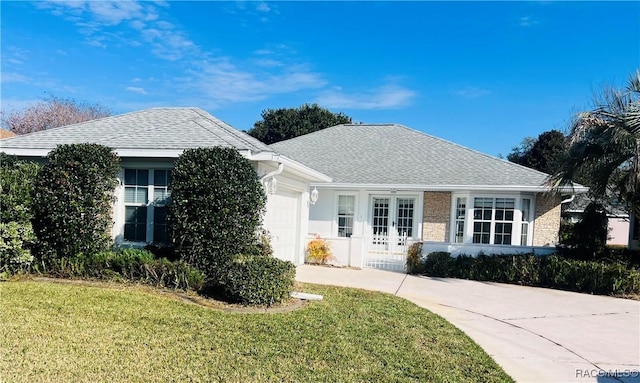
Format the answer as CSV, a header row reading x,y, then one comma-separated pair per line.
x,y
228,128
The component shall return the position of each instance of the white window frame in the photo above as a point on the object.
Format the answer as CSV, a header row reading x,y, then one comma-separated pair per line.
x,y
516,233
337,213
150,203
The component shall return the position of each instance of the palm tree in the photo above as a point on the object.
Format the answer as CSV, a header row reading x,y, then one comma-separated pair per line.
x,y
604,147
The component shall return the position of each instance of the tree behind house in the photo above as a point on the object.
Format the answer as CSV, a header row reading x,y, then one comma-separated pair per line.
x,y
51,112
285,123
543,153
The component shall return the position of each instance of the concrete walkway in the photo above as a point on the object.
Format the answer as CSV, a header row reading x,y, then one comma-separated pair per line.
x,y
535,334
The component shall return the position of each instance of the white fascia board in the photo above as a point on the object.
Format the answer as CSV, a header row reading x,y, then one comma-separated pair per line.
x,y
22,152
291,165
493,188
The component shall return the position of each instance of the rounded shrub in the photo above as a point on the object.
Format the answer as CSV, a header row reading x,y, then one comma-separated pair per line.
x,y
72,201
216,209
259,280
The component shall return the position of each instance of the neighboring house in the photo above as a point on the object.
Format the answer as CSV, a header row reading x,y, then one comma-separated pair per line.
x,y
149,141
6,134
620,223
393,186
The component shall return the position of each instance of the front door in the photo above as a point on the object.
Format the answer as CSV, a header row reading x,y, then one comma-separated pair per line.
x,y
392,223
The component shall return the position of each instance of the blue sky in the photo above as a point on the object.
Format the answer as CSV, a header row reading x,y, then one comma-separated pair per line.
x,y
481,74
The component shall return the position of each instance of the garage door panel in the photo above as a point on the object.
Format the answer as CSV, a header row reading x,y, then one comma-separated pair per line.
x,y
281,220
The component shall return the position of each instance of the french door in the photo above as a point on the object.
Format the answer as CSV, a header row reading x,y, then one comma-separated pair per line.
x,y
392,223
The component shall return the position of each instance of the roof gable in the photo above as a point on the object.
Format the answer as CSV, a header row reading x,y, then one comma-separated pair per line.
x,y
149,129
391,154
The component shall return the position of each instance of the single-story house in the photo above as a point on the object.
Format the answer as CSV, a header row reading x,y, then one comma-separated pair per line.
x,y
149,141
623,227
393,186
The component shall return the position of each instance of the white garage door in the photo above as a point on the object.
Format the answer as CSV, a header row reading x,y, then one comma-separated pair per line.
x,y
281,220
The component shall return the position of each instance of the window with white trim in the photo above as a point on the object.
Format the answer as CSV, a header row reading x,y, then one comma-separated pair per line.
x,y
482,217
526,217
146,194
346,210
503,227
499,219
460,219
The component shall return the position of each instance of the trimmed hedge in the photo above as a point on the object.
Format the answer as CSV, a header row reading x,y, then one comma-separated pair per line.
x,y
132,265
257,280
72,201
216,209
543,271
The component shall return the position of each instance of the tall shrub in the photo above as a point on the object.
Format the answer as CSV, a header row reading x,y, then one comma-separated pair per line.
x,y
72,200
216,208
16,181
16,233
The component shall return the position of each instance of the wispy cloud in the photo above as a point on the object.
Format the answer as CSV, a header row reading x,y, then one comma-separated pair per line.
x,y
13,77
136,89
263,7
527,21
222,81
471,92
383,97
213,78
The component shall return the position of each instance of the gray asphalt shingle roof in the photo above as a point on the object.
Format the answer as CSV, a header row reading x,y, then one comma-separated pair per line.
x,y
156,128
388,154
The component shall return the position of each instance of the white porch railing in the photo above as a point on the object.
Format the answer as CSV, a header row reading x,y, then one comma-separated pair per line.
x,y
474,249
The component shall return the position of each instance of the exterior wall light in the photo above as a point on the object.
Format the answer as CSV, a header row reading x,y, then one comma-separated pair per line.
x,y
272,185
314,196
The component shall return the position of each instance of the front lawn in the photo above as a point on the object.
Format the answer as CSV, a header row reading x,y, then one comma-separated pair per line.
x,y
51,332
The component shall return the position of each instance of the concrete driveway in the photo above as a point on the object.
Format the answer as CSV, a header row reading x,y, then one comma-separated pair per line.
x,y
535,334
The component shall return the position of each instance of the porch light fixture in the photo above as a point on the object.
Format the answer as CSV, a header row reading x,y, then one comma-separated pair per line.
x,y
272,185
313,198
269,180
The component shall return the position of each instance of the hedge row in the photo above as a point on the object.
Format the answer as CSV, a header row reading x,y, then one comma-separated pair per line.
x,y
125,265
544,271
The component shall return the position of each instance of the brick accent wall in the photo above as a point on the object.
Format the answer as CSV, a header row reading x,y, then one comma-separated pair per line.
x,y
547,220
435,216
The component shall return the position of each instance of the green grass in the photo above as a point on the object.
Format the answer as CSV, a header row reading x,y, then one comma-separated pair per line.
x,y
51,332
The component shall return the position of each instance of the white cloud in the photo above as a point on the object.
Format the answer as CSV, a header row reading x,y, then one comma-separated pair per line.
x,y
384,97
8,77
136,89
221,81
471,92
527,21
263,7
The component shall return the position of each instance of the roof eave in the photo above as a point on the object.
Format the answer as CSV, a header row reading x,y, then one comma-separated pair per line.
x,y
426,187
294,166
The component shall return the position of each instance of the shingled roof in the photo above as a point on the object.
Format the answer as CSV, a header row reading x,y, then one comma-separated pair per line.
x,y
156,129
391,154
